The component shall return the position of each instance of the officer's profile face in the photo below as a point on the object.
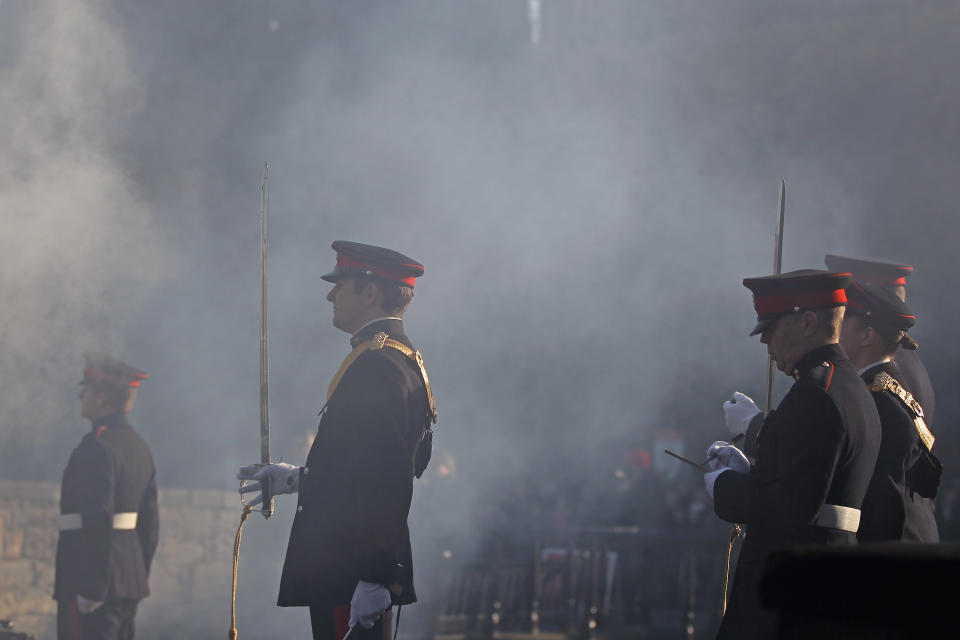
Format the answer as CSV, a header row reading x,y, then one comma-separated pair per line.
x,y
851,335
778,336
91,402
351,308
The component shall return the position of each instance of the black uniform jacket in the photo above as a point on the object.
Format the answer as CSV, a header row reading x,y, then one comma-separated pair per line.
x,y
899,504
356,486
818,447
111,471
915,378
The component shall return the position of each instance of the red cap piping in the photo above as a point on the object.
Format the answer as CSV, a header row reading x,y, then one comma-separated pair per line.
x,y
396,276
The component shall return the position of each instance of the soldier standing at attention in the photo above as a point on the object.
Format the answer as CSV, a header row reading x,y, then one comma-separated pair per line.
x,y
108,522
349,557
815,453
899,504
893,277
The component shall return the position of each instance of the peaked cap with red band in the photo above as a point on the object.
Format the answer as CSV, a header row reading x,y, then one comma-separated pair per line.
x,y
885,273
879,304
795,291
105,370
354,258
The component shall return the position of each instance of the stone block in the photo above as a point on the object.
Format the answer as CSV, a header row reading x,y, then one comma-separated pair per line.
x,y
33,600
37,625
37,492
169,587
40,543
175,523
43,575
215,499
26,513
179,553
186,523
13,543
212,578
173,497
16,573
229,519
8,601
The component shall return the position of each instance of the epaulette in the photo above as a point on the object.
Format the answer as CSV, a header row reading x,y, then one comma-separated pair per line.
x,y
377,342
822,374
883,381
381,340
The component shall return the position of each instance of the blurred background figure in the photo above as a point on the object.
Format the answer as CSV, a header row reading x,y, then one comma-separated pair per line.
x,y
109,525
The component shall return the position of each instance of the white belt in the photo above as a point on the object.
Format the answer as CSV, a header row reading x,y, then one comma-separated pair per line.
x,y
837,517
72,521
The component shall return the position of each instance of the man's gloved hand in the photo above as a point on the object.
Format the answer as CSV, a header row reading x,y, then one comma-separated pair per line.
x,y
710,478
284,478
725,455
85,606
738,411
369,601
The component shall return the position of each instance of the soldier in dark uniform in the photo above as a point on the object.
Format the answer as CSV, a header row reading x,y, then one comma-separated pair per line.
x,y
815,453
899,504
893,277
108,522
349,557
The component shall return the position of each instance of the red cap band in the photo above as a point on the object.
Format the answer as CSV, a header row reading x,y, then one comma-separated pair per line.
x,y
771,305
883,280
94,374
395,276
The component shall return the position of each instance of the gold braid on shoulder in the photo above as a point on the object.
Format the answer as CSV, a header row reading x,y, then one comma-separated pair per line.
x,y
883,381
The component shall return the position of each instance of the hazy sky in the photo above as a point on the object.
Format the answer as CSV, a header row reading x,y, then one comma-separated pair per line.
x,y
586,208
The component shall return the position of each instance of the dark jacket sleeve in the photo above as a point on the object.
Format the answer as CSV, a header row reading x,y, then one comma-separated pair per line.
x,y
380,486
796,474
148,522
753,432
97,508
884,512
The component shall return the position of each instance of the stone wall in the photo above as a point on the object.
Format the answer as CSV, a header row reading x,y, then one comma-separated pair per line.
x,y
190,576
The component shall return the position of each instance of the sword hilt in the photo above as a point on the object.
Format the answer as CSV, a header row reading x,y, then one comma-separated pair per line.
x,y
266,493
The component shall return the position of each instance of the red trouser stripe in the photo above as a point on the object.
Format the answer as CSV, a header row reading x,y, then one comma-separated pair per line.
x,y
341,620
75,621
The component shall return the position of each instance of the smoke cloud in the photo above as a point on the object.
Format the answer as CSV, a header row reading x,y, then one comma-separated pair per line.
x,y
586,207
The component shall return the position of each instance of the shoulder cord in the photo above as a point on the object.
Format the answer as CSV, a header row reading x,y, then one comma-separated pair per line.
x,y
377,342
885,382
735,532
232,634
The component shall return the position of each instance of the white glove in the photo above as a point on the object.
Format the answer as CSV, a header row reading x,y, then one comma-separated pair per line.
x,y
85,606
738,411
721,454
284,478
710,478
369,602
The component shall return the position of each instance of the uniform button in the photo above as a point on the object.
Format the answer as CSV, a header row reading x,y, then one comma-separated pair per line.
x,y
306,470
299,508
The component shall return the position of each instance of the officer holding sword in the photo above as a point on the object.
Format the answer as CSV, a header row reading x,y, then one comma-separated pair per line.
x,y
814,455
349,557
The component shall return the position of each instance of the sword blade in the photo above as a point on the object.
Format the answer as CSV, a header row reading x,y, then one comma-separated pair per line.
x,y
264,345
778,234
777,269
686,460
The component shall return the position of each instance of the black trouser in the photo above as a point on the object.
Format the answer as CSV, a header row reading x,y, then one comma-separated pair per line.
x,y
113,620
325,627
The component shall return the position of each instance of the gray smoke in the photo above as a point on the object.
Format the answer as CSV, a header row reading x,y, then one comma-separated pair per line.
x,y
586,208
